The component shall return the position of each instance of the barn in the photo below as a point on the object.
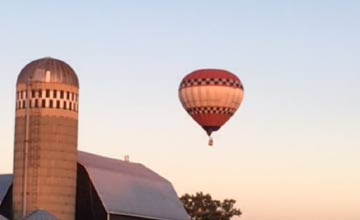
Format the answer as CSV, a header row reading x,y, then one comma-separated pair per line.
x,y
111,189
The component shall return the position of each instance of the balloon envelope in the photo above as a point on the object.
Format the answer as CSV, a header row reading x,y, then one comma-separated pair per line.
x,y
211,97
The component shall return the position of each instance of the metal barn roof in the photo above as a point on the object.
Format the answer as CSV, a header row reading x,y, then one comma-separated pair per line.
x,y
40,215
3,218
127,188
5,183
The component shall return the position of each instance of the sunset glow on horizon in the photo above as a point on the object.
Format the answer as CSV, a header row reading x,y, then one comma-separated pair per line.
x,y
290,152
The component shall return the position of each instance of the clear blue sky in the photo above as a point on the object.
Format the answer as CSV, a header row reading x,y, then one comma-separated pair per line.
x,y
290,152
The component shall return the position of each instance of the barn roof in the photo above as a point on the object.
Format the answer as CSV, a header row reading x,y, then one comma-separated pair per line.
x,y
40,215
127,188
3,218
5,183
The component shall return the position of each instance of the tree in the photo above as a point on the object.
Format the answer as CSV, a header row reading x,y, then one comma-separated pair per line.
x,y
203,207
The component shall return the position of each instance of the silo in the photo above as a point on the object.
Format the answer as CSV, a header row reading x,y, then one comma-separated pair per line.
x,y
46,131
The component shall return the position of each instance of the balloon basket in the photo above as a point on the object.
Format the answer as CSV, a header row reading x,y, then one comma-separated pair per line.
x,y
211,142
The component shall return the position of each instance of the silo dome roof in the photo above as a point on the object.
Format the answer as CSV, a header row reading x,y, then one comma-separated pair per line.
x,y
48,70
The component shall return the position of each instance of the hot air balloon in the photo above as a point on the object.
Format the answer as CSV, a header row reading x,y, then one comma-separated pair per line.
x,y
211,97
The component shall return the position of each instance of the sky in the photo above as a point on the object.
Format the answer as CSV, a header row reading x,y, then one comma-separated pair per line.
x,y
292,149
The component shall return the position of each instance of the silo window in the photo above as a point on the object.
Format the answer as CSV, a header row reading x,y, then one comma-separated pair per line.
x,y
51,103
70,106
57,104
47,93
47,75
72,96
36,103
61,94
68,95
40,93
55,93
64,105
33,93
43,103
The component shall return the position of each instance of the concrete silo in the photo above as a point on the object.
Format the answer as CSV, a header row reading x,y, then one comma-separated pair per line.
x,y
46,131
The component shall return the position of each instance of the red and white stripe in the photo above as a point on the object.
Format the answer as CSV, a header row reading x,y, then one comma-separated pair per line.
x,y
211,97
